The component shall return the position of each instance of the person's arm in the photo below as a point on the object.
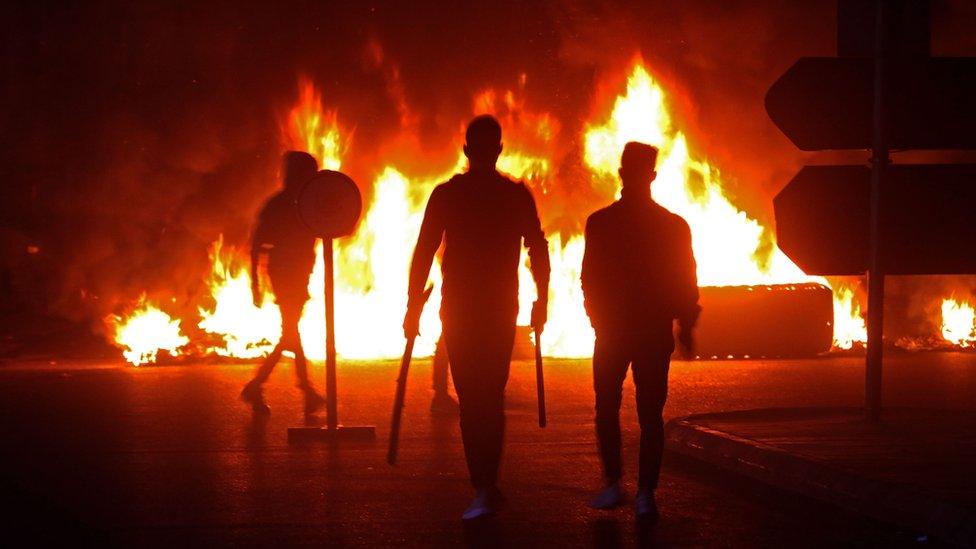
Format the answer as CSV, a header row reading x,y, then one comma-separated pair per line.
x,y
687,303
258,249
588,275
535,241
431,234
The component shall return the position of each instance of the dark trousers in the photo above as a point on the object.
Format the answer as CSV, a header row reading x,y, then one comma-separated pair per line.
x,y
291,313
650,358
480,354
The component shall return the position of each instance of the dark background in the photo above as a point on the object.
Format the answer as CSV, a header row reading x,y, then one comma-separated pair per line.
x,y
136,133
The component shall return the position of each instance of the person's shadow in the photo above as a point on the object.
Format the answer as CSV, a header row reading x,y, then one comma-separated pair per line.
x,y
645,532
256,433
606,533
485,532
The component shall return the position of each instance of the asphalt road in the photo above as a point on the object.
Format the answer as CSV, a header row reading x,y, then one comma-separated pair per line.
x,y
166,455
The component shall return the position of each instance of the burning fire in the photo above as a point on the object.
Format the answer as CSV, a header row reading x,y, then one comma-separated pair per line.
x,y
958,323
849,327
371,266
145,332
246,331
312,129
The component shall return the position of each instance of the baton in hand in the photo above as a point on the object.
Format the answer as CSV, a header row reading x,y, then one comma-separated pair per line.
x,y
540,384
401,390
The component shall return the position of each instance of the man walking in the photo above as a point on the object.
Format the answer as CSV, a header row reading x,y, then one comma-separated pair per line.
x,y
638,276
483,217
290,250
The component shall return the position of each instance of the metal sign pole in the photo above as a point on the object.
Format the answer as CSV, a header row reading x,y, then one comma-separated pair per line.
x,y
332,414
330,206
876,276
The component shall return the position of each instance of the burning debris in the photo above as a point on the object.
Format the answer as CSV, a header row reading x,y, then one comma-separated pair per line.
x,y
732,248
146,332
958,323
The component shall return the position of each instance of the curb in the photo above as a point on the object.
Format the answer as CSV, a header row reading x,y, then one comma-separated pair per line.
x,y
898,504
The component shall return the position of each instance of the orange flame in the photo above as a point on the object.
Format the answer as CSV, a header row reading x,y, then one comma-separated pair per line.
x,y
312,129
958,323
849,327
732,248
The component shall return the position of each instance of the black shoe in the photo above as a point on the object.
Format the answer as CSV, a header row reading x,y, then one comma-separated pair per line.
x,y
610,497
486,502
252,394
644,506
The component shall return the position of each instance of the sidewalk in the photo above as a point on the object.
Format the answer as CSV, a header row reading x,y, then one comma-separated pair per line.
x,y
916,468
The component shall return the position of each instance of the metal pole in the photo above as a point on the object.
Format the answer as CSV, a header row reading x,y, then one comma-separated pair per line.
x,y
332,414
876,275
540,384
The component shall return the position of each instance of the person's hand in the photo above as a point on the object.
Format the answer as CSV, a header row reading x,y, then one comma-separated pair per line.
x,y
686,338
411,322
256,294
540,313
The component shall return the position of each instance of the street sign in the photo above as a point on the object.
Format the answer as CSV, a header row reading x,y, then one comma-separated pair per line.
x,y
900,220
928,224
330,204
824,103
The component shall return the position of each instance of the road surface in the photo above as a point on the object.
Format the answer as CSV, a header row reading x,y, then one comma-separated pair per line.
x,y
167,454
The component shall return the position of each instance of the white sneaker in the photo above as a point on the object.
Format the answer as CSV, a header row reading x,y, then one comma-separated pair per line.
x,y
644,505
480,506
609,497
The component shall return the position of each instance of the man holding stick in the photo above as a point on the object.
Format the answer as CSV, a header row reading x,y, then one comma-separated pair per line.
x,y
638,277
483,217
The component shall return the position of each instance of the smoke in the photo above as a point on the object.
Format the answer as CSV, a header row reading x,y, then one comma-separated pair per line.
x,y
136,134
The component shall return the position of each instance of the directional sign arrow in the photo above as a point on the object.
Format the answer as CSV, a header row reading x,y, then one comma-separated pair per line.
x,y
824,103
928,221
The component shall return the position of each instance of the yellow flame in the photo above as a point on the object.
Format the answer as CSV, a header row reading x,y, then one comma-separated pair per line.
x,y
247,331
371,266
146,332
849,327
315,130
958,323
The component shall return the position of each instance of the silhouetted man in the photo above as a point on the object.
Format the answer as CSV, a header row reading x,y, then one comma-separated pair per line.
x,y
483,217
638,276
290,250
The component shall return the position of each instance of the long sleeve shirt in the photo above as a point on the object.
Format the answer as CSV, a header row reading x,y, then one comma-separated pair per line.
x,y
638,268
483,219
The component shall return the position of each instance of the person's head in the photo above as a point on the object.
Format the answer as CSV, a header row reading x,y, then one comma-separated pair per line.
x,y
637,165
297,167
483,141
